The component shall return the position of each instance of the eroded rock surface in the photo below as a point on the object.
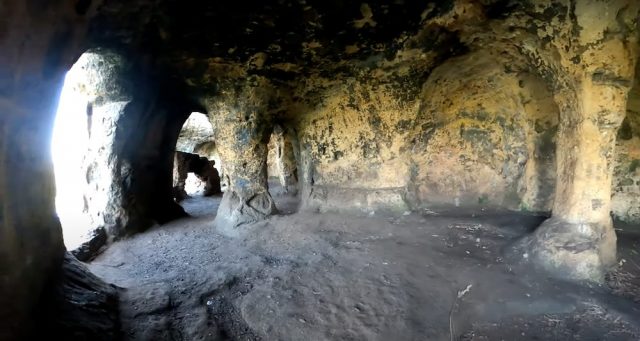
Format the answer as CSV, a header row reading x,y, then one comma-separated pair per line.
x,y
374,122
80,306
625,202
241,134
396,106
31,246
118,152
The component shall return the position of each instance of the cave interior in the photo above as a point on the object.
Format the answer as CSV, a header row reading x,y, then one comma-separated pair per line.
x,y
320,169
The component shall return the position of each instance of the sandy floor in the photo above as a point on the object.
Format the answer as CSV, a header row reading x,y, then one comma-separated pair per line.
x,y
307,276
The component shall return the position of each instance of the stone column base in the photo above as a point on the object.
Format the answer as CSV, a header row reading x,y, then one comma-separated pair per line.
x,y
234,211
573,251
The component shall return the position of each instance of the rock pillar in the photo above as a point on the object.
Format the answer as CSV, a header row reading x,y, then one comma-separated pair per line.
x,y
247,197
180,173
102,76
578,241
241,133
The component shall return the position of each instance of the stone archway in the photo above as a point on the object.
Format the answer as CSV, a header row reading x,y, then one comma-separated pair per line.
x,y
195,167
111,153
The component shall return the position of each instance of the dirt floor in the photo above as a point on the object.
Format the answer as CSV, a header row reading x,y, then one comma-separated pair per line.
x,y
309,276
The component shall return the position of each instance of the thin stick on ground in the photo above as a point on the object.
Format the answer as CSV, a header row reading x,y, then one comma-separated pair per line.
x,y
454,305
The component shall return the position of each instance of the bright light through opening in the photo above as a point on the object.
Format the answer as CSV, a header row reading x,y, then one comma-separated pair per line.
x,y
68,147
193,186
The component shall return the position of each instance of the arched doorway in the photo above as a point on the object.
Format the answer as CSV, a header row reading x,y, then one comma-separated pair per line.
x,y
197,164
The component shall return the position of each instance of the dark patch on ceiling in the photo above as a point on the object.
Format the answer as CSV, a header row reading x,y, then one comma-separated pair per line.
x,y
236,30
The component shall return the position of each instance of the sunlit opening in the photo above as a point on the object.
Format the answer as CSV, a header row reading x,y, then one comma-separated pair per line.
x,y
194,186
68,147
